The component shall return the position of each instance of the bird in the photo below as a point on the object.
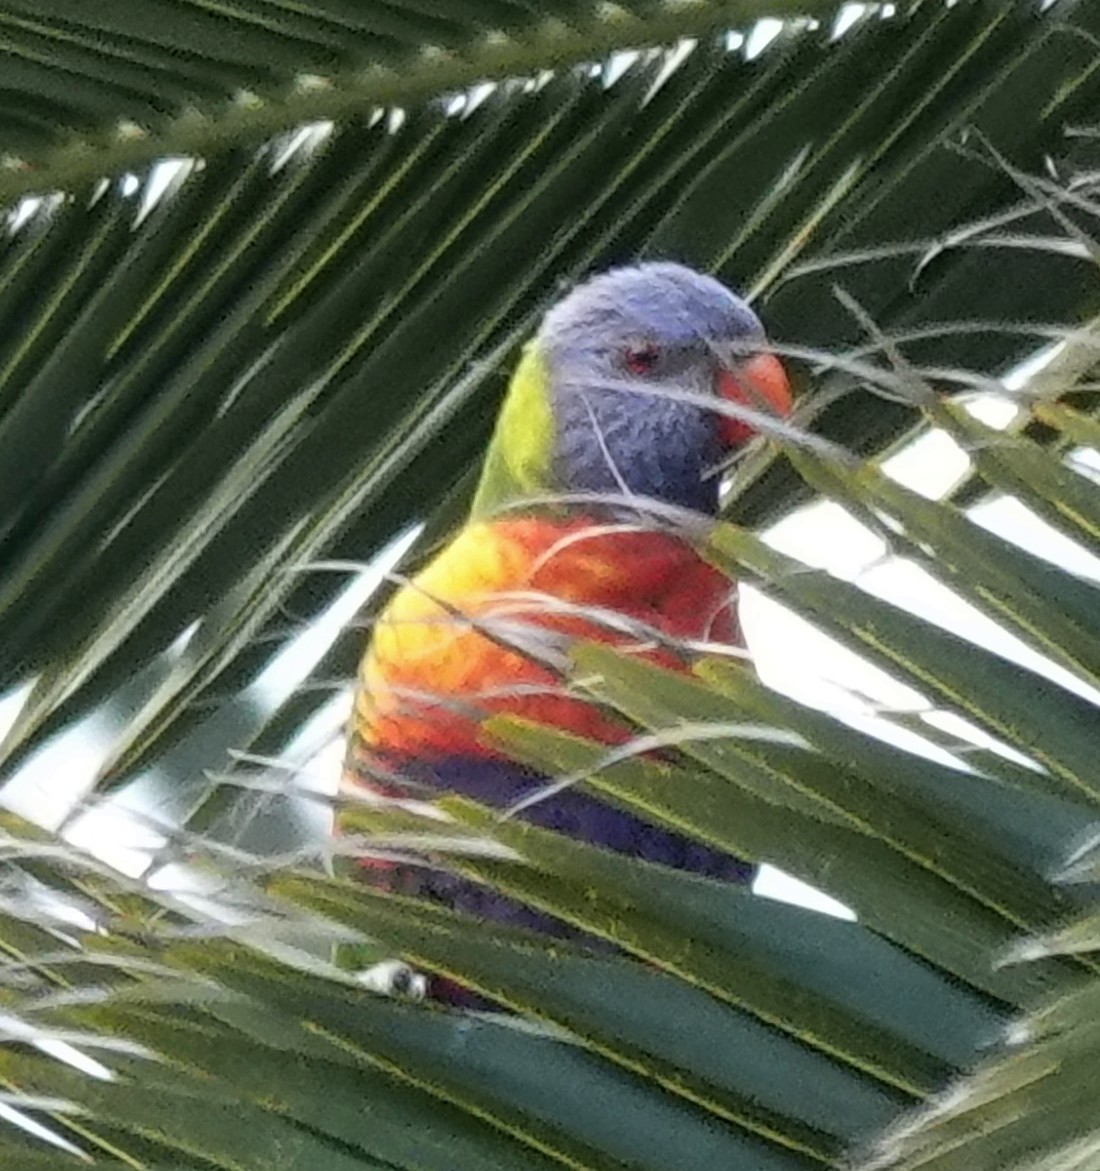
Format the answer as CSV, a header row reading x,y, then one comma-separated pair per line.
x,y
612,422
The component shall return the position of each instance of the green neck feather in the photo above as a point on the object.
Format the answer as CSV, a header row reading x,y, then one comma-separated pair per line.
x,y
518,460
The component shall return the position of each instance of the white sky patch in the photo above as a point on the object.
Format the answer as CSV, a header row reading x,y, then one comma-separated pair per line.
x,y
763,33
321,735
931,465
1014,521
912,588
826,536
674,59
1020,375
872,724
797,659
35,1128
477,95
774,884
1087,462
934,463
846,18
319,746
23,211
321,771
995,410
303,141
201,891
111,833
164,177
617,64
291,666
47,786
969,734
65,1052
11,704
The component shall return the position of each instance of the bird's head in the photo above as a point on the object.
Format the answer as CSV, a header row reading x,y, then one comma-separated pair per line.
x,y
629,358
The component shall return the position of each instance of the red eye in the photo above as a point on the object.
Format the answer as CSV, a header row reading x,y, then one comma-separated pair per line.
x,y
642,360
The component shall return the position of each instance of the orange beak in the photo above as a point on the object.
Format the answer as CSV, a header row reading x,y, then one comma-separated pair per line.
x,y
760,383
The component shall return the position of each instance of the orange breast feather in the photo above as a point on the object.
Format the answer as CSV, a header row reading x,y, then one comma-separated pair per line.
x,y
440,660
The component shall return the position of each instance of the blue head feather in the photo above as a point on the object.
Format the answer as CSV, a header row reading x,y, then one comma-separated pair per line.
x,y
610,438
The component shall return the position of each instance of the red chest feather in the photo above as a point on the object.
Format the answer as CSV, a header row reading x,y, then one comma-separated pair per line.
x,y
446,651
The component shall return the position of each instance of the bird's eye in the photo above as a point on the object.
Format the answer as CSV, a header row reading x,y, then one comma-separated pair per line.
x,y
642,359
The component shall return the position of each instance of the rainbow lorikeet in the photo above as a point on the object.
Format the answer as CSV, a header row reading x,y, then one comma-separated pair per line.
x,y
607,410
